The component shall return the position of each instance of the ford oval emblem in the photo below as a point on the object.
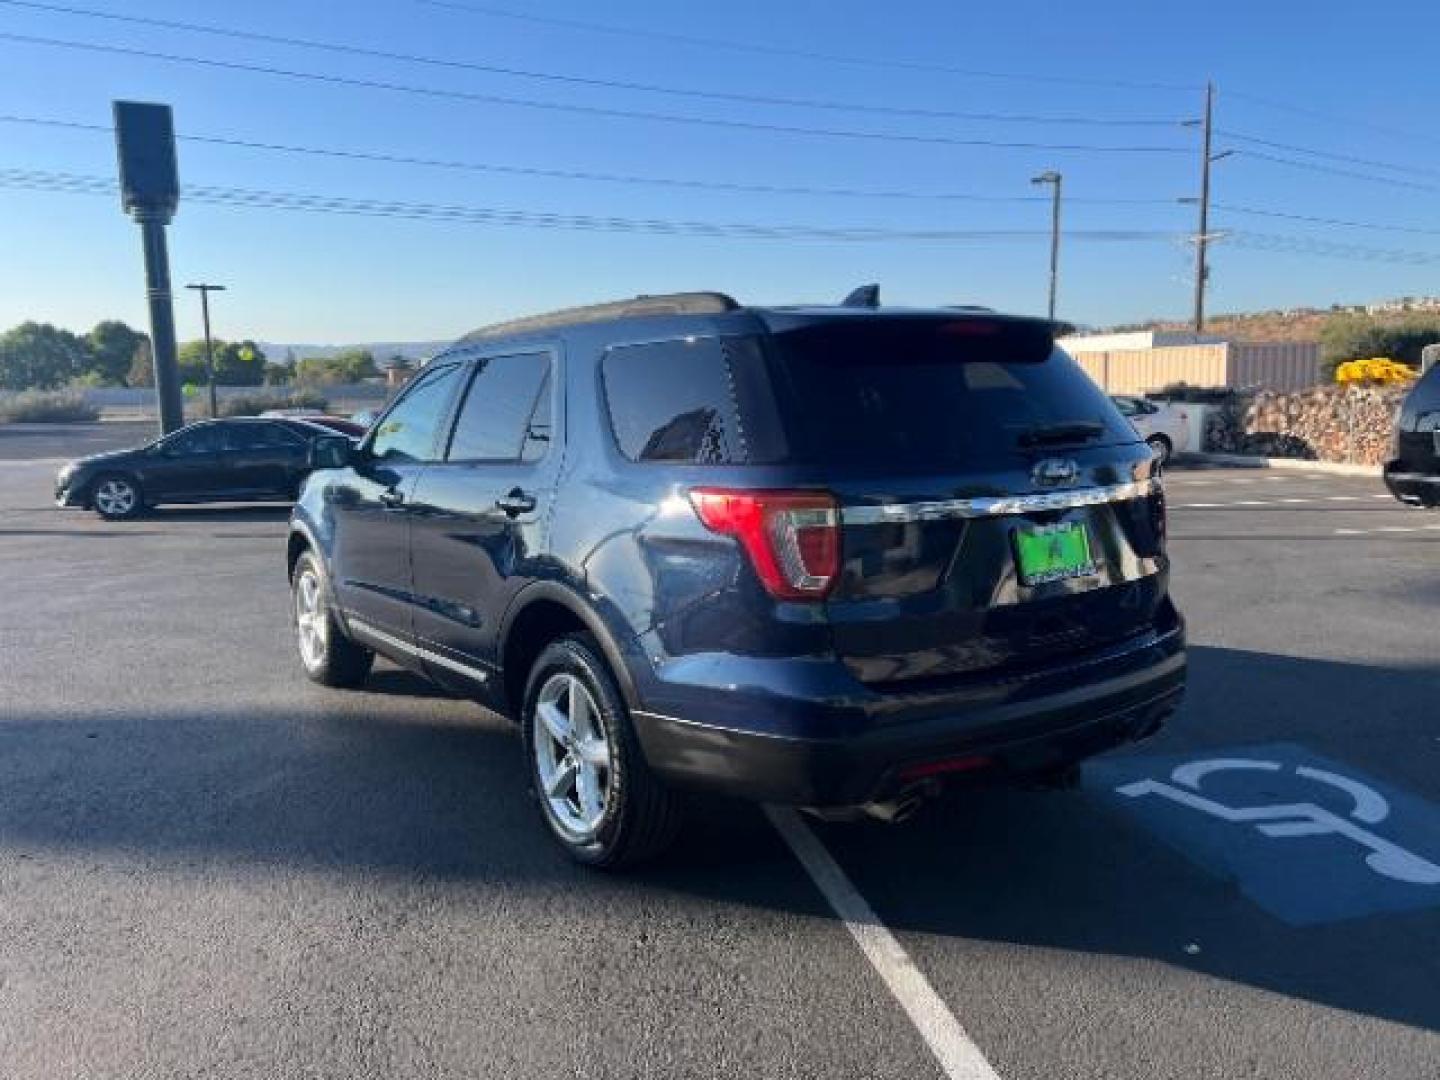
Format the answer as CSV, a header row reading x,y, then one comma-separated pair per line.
x,y
1055,472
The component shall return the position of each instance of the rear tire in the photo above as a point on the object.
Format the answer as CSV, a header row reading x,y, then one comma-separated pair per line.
x,y
1161,448
595,790
117,497
326,654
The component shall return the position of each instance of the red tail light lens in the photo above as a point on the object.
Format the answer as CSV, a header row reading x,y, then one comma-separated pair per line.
x,y
791,537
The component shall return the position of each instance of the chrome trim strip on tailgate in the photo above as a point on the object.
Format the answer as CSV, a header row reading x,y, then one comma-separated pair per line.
x,y
996,506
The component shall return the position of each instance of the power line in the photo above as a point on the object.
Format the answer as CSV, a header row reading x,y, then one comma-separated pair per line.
x,y
1416,230
802,54
1304,245
72,183
580,80
576,174
586,110
1331,170
1331,118
1348,159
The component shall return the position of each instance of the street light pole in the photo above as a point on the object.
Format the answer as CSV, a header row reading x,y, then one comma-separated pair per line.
x,y
205,291
1056,181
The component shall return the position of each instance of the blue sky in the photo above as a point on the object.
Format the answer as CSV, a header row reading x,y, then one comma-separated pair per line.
x,y
73,259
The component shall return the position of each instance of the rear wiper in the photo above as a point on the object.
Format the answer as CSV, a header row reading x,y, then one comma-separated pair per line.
x,y
1073,431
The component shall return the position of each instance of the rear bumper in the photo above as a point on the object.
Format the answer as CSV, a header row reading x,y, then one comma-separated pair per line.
x,y
1416,488
1128,698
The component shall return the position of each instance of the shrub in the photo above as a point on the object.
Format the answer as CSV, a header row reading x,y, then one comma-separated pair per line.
x,y
1377,371
1344,337
47,407
255,404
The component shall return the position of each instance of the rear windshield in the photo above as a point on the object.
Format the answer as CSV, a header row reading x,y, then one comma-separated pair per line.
x,y
934,392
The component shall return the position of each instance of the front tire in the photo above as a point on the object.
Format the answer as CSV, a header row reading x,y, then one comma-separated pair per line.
x,y
117,497
596,792
326,654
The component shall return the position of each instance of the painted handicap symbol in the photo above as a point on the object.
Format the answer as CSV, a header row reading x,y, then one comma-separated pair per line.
x,y
1291,820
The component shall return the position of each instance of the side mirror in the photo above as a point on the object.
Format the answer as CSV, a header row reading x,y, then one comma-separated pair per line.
x,y
332,452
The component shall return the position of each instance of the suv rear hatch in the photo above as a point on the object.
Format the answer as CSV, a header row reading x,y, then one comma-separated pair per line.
x,y
1417,436
998,515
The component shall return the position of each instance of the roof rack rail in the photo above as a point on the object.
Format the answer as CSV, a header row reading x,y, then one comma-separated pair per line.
x,y
688,303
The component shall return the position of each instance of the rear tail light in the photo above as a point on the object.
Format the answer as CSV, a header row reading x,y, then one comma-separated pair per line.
x,y
791,537
943,767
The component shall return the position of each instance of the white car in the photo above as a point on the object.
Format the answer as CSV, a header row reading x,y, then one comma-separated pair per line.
x,y
1165,428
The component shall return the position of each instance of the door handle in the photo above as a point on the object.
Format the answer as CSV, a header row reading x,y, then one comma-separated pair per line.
x,y
516,502
391,498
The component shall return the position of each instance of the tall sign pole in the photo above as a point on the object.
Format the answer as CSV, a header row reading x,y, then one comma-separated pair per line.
x,y
149,193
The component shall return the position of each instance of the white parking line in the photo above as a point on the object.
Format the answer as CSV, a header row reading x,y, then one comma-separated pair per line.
x,y
959,1058
1388,529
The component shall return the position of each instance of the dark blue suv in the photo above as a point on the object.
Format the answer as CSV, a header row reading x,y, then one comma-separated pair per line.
x,y
826,556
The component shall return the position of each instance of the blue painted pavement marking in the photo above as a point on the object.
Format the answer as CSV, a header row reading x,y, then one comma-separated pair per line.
x,y
1309,840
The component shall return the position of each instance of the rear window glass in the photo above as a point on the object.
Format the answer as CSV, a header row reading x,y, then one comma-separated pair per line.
x,y
699,401
932,392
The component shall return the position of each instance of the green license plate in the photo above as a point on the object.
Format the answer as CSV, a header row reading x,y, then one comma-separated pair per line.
x,y
1053,552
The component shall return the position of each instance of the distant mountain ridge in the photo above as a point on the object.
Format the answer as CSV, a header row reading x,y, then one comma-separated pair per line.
x,y
276,351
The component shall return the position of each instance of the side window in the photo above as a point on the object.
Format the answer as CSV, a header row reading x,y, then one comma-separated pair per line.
x,y
674,401
260,436
506,412
1127,406
200,439
409,431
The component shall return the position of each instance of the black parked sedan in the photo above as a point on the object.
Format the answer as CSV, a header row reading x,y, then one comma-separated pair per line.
x,y
235,460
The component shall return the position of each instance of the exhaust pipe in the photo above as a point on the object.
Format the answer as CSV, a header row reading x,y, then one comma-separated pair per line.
x,y
904,804
892,811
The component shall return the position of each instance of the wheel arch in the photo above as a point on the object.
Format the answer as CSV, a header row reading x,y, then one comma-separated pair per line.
x,y
302,538
545,611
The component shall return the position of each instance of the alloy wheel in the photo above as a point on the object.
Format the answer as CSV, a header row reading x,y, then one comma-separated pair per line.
x,y
115,497
572,755
312,624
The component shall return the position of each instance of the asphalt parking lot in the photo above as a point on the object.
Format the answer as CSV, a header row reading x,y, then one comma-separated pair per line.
x,y
210,866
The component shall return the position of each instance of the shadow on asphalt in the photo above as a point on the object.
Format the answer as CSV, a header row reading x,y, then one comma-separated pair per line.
x,y
228,514
355,785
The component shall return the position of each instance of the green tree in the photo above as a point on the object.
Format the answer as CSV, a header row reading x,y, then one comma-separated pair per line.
x,y
348,366
241,364
237,363
38,356
276,374
353,365
191,360
112,347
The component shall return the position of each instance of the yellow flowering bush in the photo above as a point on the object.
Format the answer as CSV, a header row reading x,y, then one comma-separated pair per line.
x,y
1377,371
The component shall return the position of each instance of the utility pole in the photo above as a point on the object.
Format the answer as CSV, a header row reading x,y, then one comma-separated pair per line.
x,y
205,291
1202,236
1202,272
1056,181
